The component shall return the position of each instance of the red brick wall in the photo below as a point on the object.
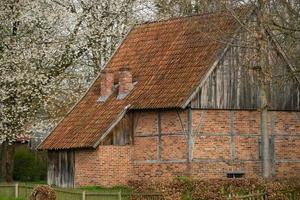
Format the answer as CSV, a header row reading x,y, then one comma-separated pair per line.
x,y
116,165
106,166
87,167
222,141
287,144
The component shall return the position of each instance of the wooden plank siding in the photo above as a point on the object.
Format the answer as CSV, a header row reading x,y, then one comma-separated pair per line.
x,y
233,84
122,134
61,168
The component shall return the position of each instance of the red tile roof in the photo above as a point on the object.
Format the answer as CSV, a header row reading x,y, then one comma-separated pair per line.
x,y
168,59
23,138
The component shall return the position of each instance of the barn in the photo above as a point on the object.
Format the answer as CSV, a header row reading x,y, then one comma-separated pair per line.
x,y
176,99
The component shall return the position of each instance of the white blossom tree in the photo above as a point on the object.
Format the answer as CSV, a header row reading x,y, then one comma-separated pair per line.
x,y
49,52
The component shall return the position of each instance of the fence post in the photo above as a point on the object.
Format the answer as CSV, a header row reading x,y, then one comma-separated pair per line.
x,y
119,195
16,190
83,195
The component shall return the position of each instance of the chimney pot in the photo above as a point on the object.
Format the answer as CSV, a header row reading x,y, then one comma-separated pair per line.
x,y
107,83
125,82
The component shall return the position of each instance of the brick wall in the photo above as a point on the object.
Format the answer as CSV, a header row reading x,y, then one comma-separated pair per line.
x,y
220,142
106,166
87,167
287,143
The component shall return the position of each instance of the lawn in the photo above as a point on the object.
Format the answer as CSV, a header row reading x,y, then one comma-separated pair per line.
x,y
115,189
93,192
123,189
7,198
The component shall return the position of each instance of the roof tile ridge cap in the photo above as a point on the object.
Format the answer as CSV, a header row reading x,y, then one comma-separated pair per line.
x,y
88,89
149,80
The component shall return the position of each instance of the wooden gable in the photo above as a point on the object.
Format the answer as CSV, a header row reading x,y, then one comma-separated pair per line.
x,y
233,82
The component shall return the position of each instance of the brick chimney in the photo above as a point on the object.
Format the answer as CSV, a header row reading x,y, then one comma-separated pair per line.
x,y
125,82
107,83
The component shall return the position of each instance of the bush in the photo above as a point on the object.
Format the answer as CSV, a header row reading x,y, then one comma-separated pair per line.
x,y
28,166
185,188
43,192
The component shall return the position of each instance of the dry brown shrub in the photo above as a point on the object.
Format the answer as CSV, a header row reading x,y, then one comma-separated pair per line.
x,y
198,189
43,192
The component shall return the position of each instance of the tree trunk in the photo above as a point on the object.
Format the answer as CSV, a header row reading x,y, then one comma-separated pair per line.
x,y
7,161
265,133
264,73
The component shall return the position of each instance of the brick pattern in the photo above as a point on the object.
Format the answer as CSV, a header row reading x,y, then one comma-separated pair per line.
x,y
87,168
145,123
287,123
145,148
247,148
287,148
247,122
174,147
173,122
211,121
158,171
219,169
287,169
212,147
222,141
107,82
125,81
116,165
106,166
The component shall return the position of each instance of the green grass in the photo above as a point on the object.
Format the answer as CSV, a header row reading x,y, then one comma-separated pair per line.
x,y
109,192
41,182
9,198
123,189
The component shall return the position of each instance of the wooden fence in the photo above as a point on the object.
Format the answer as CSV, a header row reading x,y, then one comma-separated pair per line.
x,y
250,196
291,195
24,191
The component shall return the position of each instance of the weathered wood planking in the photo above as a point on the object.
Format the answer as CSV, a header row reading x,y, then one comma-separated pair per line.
x,y
122,134
233,84
61,168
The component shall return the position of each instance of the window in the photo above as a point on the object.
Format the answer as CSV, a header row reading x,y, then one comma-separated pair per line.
x,y
235,174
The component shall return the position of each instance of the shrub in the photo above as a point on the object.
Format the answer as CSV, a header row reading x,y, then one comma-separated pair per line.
x,y
200,189
28,166
43,192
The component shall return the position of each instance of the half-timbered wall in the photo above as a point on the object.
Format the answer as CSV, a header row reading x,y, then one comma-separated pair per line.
x,y
233,84
212,143
198,143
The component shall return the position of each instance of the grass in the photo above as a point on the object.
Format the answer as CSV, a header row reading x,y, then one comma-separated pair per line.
x,y
123,189
41,182
9,198
110,192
